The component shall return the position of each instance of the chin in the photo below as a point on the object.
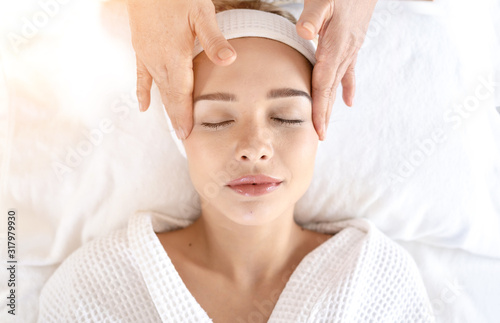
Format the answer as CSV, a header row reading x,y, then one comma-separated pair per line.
x,y
254,216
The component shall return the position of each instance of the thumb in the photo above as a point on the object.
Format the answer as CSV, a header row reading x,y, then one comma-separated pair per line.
x,y
216,47
315,14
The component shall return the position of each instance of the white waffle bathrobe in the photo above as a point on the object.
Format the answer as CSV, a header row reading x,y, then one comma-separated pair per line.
x,y
358,275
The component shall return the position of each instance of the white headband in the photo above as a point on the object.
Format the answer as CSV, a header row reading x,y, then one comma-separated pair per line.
x,y
239,23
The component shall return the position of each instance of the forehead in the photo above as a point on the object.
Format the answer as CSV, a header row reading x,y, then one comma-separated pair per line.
x,y
260,63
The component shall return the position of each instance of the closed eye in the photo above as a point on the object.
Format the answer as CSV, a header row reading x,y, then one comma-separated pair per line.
x,y
285,121
216,125
224,123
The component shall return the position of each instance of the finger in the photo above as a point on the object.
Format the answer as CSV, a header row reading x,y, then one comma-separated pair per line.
x,y
315,14
323,83
340,73
144,82
176,88
349,83
321,93
216,47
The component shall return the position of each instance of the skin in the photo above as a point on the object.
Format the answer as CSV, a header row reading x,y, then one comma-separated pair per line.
x,y
163,33
243,249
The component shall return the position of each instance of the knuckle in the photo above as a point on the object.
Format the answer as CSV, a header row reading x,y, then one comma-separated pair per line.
x,y
355,42
214,42
201,11
161,77
143,76
324,56
351,72
162,83
323,75
326,49
201,15
324,92
142,89
174,95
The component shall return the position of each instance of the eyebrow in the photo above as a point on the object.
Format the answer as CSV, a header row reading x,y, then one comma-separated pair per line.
x,y
272,94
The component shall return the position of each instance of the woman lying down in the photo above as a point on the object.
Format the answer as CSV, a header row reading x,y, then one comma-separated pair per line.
x,y
244,259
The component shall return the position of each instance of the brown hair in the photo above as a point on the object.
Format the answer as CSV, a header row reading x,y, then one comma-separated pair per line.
x,y
223,5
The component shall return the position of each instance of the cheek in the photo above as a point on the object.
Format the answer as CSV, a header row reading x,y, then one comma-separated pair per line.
x,y
199,158
298,151
302,143
207,162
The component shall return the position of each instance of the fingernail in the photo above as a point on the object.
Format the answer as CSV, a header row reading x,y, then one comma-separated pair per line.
x,y
322,133
139,100
225,53
141,108
307,25
180,133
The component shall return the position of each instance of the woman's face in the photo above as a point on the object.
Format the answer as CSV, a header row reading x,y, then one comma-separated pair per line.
x,y
242,131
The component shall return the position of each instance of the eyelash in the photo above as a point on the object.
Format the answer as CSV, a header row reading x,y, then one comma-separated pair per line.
x,y
221,124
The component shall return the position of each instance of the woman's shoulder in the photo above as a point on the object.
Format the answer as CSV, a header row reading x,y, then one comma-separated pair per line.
x,y
111,249
355,232
96,282
373,271
97,259
361,239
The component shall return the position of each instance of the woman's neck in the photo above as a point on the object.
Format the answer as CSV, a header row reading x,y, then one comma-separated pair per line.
x,y
250,255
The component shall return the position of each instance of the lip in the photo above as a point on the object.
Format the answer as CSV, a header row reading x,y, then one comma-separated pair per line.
x,y
254,185
254,179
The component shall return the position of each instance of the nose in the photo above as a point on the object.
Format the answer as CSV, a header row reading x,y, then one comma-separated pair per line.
x,y
254,145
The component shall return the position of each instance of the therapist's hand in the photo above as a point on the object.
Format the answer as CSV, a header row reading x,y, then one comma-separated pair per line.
x,y
341,25
163,34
